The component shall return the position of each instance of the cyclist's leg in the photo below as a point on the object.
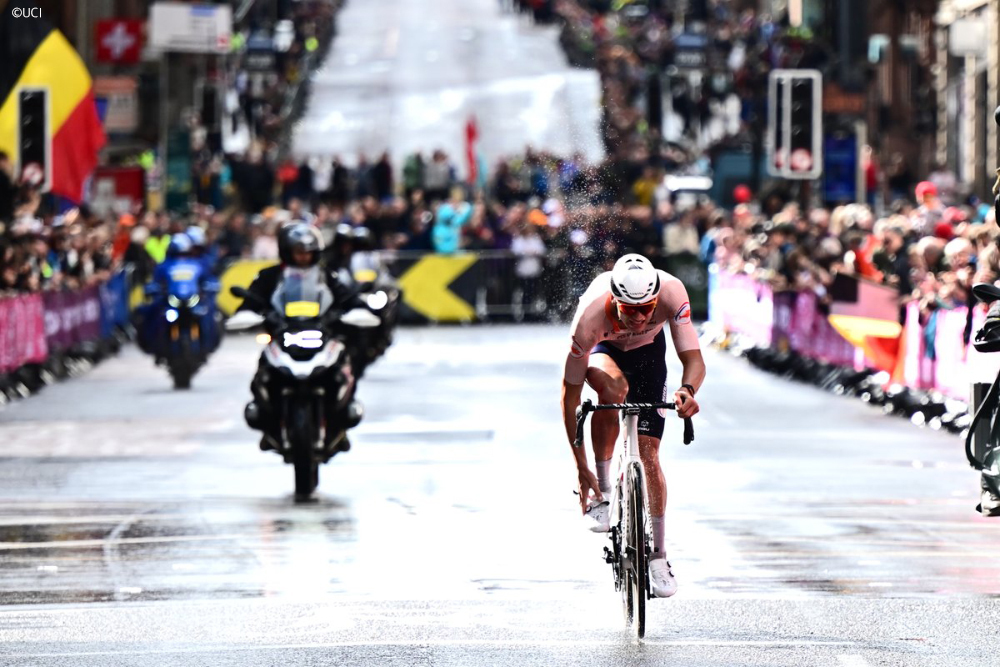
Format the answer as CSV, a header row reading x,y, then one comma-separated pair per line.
x,y
607,379
649,385
656,485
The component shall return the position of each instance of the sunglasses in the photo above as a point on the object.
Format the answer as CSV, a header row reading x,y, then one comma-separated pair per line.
x,y
637,309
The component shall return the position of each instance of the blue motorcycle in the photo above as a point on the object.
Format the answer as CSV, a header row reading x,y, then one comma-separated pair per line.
x,y
181,325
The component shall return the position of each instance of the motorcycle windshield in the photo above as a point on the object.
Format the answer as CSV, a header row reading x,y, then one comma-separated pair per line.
x,y
365,267
302,293
183,279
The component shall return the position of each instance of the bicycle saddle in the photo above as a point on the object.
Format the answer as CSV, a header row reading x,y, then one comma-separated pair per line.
x,y
986,292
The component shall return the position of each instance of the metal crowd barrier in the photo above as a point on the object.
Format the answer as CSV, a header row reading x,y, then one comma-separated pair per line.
x,y
486,286
489,284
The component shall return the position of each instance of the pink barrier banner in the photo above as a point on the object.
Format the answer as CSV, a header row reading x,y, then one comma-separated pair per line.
x,y
955,366
914,368
22,332
72,317
784,317
951,372
828,345
804,318
746,306
783,320
794,320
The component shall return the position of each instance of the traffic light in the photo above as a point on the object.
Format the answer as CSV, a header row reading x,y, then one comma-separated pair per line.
x,y
33,145
795,124
801,140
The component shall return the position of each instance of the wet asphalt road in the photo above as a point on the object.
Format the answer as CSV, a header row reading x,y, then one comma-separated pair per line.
x,y
141,526
406,75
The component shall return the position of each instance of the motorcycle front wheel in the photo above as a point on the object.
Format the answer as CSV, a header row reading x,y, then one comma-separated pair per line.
x,y
302,436
182,368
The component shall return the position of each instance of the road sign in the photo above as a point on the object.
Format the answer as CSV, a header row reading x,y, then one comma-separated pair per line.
x,y
193,28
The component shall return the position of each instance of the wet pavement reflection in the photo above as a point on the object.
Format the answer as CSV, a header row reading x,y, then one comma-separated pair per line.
x,y
452,518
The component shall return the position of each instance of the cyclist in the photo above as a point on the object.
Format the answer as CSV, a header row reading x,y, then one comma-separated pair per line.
x,y
618,347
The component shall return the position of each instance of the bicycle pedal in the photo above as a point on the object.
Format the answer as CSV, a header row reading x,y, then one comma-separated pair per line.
x,y
608,556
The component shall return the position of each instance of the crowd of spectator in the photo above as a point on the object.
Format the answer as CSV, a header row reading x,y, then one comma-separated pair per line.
x,y
931,243
930,252
537,206
262,102
634,47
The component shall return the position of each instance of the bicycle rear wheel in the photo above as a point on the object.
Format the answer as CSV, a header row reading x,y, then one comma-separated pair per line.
x,y
635,552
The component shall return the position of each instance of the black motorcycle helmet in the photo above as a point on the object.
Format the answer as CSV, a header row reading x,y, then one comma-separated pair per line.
x,y
344,234
299,236
363,239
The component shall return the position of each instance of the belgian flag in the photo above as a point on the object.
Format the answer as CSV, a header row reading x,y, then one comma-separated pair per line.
x,y
34,55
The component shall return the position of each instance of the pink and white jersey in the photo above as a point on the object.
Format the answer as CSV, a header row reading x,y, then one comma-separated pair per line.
x,y
595,321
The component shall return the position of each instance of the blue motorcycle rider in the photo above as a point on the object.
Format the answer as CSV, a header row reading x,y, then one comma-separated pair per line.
x,y
181,278
208,254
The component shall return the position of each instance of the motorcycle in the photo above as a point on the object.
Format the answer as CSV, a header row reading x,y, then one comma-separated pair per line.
x,y
304,388
382,295
354,258
181,326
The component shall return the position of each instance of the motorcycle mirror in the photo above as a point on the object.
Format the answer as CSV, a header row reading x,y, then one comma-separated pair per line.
x,y
236,290
361,318
243,320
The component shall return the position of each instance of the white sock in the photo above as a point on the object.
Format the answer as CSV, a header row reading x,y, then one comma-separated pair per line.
x,y
659,536
604,478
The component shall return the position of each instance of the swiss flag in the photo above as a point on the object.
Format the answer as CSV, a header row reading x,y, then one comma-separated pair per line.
x,y
118,41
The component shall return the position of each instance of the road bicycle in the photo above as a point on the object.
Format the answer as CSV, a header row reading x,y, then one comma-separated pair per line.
x,y
630,548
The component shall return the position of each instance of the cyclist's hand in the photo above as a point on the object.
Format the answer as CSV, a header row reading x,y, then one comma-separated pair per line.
x,y
686,405
588,483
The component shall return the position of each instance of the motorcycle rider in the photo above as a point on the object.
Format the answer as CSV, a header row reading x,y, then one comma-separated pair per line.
x,y
300,249
208,254
178,257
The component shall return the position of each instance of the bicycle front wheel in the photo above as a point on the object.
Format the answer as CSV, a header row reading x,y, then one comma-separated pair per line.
x,y
636,556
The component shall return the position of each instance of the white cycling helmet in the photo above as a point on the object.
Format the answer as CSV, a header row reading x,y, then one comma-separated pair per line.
x,y
634,281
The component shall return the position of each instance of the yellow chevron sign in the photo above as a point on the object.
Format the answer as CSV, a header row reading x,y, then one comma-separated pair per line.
x,y
240,274
425,288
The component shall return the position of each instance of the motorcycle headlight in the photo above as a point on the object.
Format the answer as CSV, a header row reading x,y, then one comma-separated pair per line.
x,y
171,315
173,301
378,300
193,301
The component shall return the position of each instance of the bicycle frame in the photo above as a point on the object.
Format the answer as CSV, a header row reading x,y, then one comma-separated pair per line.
x,y
628,455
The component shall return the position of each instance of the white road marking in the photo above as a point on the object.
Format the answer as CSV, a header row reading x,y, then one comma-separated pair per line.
x,y
499,643
34,520
81,544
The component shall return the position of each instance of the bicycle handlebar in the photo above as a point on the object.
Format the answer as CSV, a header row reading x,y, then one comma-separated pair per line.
x,y
588,407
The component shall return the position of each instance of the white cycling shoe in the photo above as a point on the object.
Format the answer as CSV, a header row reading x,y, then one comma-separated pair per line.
x,y
661,579
598,516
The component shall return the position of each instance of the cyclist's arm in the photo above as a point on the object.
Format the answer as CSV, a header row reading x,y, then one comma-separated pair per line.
x,y
693,375
570,402
685,339
694,368
584,334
